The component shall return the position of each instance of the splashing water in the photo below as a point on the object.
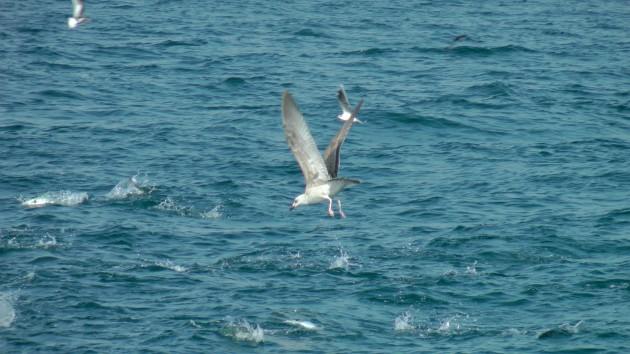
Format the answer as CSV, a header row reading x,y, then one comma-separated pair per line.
x,y
215,213
242,330
472,269
133,186
564,330
168,264
47,241
341,262
63,198
7,312
404,322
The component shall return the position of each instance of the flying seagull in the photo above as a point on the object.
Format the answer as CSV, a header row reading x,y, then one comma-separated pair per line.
x,y
346,111
320,173
77,14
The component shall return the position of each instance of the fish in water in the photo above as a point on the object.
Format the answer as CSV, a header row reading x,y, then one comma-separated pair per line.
x,y
64,198
307,325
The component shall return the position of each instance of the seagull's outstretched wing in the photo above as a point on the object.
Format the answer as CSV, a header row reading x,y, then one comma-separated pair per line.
x,y
343,100
332,155
302,144
77,8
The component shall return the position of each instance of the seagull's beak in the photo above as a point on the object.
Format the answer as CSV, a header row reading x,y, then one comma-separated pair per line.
x,y
291,207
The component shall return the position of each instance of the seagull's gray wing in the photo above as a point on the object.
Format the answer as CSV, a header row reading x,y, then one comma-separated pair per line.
x,y
302,144
332,155
77,8
343,100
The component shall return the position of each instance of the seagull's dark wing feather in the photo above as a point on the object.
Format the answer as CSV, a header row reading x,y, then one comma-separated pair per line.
x,y
332,155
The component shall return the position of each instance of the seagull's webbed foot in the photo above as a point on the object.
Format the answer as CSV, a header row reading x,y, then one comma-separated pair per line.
x,y
331,213
341,213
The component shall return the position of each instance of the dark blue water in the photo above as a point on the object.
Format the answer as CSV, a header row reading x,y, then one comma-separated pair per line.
x,y
493,214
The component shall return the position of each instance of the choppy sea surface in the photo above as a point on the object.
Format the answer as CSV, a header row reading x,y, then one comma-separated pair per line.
x,y
494,213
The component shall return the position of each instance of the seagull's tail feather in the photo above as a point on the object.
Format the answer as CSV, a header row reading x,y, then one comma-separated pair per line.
x,y
346,182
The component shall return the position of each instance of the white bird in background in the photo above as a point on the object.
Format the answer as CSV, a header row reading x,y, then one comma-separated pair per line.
x,y
320,173
77,14
346,110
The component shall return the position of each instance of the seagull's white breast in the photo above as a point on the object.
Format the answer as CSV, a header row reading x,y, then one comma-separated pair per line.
x,y
317,194
72,22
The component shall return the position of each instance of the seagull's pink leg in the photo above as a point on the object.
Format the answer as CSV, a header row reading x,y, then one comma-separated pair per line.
x,y
330,209
341,213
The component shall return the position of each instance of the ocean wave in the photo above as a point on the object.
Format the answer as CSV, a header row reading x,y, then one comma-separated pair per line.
x,y
176,43
234,80
370,52
429,121
51,93
491,89
465,50
487,51
62,198
307,32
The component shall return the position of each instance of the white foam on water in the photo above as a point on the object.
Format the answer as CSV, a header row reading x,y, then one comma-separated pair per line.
x,y
448,325
514,332
404,322
215,213
306,325
472,269
168,264
451,325
170,205
63,198
7,312
136,185
47,241
242,330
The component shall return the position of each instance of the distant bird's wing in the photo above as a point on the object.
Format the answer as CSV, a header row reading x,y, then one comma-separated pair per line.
x,y
332,155
77,8
343,100
302,144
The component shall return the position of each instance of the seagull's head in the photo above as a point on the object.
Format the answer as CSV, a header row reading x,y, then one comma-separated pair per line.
x,y
299,200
